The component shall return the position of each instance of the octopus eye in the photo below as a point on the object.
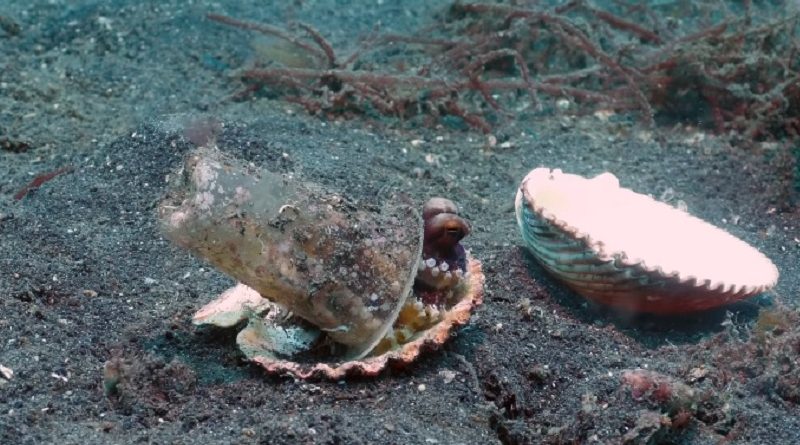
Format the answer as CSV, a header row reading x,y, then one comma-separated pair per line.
x,y
446,230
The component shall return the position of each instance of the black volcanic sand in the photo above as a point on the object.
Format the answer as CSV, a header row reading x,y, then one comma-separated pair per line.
x,y
86,278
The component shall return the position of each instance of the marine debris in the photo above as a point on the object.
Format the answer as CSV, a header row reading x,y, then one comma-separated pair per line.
x,y
39,180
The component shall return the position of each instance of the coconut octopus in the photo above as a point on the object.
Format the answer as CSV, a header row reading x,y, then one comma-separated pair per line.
x,y
327,288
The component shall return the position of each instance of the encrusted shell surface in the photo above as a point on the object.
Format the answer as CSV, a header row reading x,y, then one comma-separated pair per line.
x,y
629,251
347,271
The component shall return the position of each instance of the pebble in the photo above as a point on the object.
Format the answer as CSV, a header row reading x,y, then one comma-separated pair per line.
x,y
6,373
447,375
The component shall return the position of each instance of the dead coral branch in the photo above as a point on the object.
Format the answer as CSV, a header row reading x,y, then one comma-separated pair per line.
x,y
730,74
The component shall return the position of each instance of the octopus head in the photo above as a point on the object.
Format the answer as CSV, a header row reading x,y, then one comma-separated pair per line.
x,y
443,262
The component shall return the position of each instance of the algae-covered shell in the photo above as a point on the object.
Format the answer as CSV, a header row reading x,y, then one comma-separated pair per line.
x,y
629,251
328,288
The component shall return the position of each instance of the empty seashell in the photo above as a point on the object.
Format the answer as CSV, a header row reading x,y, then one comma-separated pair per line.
x,y
327,286
629,251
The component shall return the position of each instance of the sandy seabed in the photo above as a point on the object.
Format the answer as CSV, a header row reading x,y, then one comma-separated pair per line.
x,y
105,89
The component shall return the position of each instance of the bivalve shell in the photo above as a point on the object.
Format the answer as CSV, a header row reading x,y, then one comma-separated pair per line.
x,y
629,251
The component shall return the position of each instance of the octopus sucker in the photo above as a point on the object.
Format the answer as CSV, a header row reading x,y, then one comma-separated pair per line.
x,y
364,287
632,252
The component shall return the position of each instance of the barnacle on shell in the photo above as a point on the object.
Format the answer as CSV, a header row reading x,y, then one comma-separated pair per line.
x,y
629,251
327,288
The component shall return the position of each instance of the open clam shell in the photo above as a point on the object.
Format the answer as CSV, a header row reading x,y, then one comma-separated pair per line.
x,y
264,340
283,345
629,251
346,271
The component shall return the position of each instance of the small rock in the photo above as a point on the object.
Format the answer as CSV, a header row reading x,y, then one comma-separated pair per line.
x,y
112,374
9,26
539,374
588,403
447,375
6,373
647,425
697,373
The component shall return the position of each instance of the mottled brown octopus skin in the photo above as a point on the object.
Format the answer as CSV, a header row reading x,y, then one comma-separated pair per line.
x,y
443,231
444,228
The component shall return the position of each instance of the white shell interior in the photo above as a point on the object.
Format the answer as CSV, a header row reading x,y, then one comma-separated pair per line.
x,y
634,229
233,306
